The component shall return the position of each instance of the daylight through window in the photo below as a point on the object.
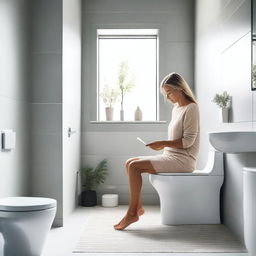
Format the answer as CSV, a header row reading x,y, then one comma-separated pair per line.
x,y
127,74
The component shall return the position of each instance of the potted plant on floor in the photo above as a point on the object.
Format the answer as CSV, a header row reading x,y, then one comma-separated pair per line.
x,y
90,179
223,101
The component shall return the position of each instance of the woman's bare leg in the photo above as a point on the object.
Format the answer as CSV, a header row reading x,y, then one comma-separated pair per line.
x,y
135,169
140,209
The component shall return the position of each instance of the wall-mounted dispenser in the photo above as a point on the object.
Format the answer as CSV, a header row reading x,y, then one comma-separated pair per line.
x,y
8,139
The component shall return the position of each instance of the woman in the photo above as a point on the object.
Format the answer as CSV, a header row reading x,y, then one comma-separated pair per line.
x,y
180,150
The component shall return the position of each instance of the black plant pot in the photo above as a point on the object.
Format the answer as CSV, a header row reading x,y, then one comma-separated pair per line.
x,y
89,198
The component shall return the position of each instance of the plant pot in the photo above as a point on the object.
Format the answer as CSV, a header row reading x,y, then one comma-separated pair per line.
x,y
89,198
224,115
109,113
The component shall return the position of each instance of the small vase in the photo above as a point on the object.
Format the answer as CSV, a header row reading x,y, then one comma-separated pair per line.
x,y
109,113
138,114
121,115
224,115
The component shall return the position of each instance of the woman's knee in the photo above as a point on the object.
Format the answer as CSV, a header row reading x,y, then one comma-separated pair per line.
x,y
133,166
138,166
127,163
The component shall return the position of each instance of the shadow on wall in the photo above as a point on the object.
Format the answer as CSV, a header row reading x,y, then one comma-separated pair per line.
x,y
231,195
78,189
1,244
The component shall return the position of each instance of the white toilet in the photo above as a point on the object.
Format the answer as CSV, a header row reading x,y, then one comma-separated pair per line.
x,y
25,223
191,198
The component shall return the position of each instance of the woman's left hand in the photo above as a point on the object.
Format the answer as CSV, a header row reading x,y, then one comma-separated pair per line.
x,y
157,145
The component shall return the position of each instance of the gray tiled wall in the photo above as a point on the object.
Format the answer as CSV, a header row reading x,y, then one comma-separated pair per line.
x,y
56,101
14,96
46,102
223,62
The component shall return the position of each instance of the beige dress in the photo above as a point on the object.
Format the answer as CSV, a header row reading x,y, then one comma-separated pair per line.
x,y
185,124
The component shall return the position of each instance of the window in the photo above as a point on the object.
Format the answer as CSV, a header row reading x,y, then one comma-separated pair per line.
x,y
127,65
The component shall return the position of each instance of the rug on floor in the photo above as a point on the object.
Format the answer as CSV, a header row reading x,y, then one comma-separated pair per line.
x,y
149,235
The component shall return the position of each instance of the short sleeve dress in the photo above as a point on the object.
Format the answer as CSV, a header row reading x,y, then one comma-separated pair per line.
x,y
185,124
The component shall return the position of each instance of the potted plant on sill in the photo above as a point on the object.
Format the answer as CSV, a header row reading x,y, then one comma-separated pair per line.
x,y
223,101
124,85
90,179
109,96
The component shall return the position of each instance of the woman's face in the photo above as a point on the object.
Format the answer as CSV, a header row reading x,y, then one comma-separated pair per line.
x,y
171,94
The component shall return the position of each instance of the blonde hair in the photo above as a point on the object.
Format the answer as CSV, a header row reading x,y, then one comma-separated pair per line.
x,y
177,82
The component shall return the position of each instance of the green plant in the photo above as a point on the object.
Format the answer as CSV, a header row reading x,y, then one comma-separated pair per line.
x,y
92,177
123,83
109,95
222,100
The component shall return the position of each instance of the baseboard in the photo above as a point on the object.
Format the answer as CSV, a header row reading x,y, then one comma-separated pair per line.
x,y
58,222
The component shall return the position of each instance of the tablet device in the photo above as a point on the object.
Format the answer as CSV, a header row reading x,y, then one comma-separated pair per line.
x,y
142,141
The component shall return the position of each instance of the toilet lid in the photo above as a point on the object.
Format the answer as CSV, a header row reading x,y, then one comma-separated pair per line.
x,y
23,204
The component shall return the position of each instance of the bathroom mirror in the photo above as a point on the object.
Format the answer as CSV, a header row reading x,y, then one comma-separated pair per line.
x,y
253,29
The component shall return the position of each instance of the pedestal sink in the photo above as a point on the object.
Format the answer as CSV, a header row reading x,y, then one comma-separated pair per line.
x,y
233,141
241,142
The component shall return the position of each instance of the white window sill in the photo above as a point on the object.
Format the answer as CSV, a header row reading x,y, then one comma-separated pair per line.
x,y
128,122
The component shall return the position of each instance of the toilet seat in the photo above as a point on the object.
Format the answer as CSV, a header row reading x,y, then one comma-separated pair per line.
x,y
194,173
25,204
214,167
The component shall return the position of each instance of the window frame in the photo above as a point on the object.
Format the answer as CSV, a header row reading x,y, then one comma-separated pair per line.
x,y
130,34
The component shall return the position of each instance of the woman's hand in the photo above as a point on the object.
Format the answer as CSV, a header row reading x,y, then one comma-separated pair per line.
x,y
156,145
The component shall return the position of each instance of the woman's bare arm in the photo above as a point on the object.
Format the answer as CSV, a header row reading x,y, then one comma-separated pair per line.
x,y
158,145
173,143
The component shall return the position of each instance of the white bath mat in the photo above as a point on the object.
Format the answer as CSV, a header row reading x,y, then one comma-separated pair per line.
x,y
149,235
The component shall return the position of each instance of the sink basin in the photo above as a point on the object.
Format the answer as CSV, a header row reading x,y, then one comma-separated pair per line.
x,y
234,141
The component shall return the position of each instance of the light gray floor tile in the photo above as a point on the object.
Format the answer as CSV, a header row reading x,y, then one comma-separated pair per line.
x,y
61,241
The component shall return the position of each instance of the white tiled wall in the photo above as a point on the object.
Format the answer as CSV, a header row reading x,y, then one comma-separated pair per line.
x,y
14,96
117,147
223,62
117,142
174,19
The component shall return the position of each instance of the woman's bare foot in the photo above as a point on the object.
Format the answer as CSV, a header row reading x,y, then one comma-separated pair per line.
x,y
126,221
140,212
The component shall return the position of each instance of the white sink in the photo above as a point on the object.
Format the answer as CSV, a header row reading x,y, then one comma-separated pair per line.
x,y
234,141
